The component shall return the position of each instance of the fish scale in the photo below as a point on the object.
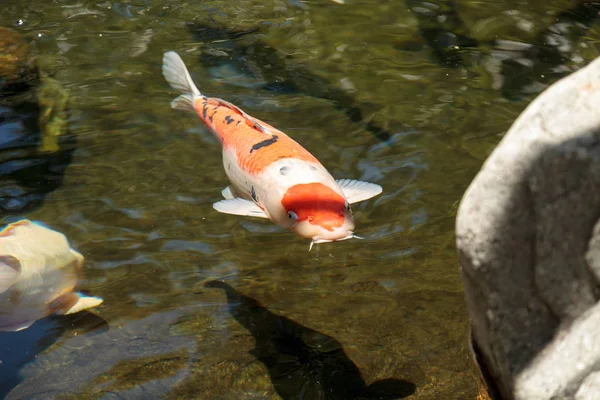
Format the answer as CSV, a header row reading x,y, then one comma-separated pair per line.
x,y
232,129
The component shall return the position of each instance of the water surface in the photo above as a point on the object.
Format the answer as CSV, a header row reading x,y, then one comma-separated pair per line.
x,y
411,95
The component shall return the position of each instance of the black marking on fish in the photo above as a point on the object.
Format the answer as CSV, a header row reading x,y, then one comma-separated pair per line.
x,y
264,143
283,170
228,120
211,118
253,194
204,111
238,123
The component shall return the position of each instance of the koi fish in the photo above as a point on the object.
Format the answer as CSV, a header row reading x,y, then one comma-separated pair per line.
x,y
38,272
271,175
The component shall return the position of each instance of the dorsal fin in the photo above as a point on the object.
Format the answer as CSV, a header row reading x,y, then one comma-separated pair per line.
x,y
253,122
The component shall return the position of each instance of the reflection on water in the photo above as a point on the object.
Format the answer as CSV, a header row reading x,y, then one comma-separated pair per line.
x,y
35,147
443,30
412,96
27,175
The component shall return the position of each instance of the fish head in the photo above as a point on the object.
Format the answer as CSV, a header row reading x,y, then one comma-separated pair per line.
x,y
318,212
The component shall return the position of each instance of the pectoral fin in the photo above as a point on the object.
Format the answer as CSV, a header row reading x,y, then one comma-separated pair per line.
x,y
10,270
239,206
227,194
72,302
356,191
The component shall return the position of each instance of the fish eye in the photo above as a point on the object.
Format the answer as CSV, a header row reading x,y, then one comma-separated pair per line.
x,y
292,215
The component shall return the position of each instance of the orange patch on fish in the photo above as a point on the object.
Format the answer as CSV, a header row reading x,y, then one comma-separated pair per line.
x,y
255,149
316,203
8,229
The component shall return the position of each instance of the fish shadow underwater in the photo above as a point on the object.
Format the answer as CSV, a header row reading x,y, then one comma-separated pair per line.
x,y
248,54
20,348
304,363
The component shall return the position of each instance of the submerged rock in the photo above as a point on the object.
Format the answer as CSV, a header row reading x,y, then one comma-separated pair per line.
x,y
528,247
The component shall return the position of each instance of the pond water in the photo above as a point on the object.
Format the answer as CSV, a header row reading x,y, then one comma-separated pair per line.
x,y
412,95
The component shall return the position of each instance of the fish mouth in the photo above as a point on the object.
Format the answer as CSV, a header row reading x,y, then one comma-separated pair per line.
x,y
317,240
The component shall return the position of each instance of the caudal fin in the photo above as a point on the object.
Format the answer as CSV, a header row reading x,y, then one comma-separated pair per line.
x,y
176,73
73,302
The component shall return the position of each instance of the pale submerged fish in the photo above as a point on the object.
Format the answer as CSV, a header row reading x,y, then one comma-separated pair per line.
x,y
38,274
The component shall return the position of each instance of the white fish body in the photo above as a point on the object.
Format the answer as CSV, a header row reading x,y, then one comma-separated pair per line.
x,y
38,274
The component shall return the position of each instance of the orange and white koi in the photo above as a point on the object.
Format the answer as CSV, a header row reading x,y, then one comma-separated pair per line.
x,y
271,175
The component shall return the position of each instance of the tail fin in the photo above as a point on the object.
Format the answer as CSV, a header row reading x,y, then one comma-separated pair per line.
x,y
176,73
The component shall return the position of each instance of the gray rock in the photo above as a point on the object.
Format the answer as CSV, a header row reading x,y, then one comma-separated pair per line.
x,y
590,388
568,360
523,229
